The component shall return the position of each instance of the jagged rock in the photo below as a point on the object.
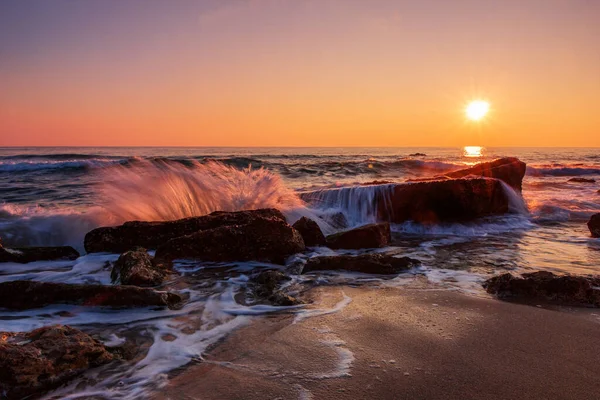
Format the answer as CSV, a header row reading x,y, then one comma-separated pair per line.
x,y
363,237
37,361
310,231
151,235
25,255
594,225
510,170
21,295
368,263
262,239
542,285
135,267
582,180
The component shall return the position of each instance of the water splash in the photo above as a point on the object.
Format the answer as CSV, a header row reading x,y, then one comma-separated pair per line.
x,y
161,190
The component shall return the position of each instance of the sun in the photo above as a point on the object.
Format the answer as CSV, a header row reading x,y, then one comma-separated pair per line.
x,y
477,109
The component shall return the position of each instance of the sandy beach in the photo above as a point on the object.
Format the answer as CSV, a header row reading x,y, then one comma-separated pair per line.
x,y
418,342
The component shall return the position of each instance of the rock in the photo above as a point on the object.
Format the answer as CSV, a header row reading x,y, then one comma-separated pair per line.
x,y
582,180
135,267
542,285
34,362
25,255
21,295
150,235
263,239
266,282
510,170
310,231
451,200
265,286
417,155
363,237
368,263
456,200
594,225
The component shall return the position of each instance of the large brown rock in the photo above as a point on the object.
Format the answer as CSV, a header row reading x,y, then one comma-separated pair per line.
x,y
310,231
594,225
150,235
135,267
452,200
21,295
456,200
34,362
542,285
510,170
25,255
364,237
367,263
262,239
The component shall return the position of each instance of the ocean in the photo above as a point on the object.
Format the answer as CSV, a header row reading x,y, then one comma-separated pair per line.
x,y
53,196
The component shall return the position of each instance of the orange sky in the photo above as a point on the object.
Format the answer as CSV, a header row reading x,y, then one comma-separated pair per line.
x,y
299,73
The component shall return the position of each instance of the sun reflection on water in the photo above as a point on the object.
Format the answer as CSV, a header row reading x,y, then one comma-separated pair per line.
x,y
473,151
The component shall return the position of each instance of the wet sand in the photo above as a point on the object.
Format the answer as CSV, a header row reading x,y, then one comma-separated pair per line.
x,y
404,343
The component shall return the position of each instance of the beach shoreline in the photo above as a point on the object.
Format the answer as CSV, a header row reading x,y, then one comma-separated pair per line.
x,y
416,342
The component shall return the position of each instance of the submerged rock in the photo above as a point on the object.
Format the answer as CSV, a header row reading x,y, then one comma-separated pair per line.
x,y
310,231
151,235
25,255
135,267
43,359
363,237
21,295
582,180
510,170
265,286
262,239
542,285
594,225
368,263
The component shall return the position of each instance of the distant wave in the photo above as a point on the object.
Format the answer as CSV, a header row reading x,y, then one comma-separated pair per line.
x,y
30,166
563,170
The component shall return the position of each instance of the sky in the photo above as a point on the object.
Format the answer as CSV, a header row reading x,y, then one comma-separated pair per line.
x,y
299,72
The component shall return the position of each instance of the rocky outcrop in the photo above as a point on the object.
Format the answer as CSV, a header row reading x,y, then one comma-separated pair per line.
x,y
363,237
542,285
35,362
30,254
310,231
151,235
266,285
582,180
449,200
510,170
594,225
457,200
262,239
135,267
21,295
367,263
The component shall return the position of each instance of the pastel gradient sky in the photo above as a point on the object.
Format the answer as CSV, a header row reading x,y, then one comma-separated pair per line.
x,y
298,72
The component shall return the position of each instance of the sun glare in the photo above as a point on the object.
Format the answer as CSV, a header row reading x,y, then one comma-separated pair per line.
x,y
477,109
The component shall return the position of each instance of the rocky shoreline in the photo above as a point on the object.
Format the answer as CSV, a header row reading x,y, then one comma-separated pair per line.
x,y
34,366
